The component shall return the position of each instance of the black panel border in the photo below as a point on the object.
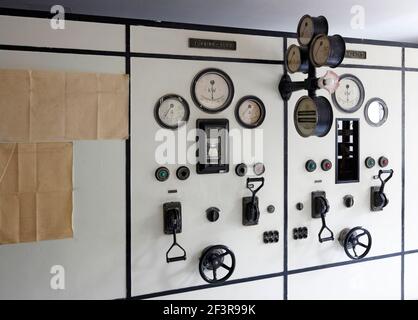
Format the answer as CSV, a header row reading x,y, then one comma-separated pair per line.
x,y
285,35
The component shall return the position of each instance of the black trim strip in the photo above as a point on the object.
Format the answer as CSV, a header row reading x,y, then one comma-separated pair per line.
x,y
204,58
128,170
343,263
62,50
411,69
285,187
410,252
360,66
403,182
187,26
207,286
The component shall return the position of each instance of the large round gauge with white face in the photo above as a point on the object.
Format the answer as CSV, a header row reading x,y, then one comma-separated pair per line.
x,y
250,112
212,90
171,111
349,95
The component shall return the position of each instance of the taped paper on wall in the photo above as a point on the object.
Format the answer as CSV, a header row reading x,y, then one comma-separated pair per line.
x,y
44,106
35,191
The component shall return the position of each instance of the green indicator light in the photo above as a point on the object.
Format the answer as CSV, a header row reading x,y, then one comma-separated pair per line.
x,y
310,165
370,162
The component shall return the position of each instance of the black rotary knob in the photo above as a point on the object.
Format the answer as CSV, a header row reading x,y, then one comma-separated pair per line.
x,y
348,201
212,214
183,173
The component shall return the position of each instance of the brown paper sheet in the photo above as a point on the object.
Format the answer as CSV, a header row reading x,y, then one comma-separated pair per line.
x,y
35,191
45,106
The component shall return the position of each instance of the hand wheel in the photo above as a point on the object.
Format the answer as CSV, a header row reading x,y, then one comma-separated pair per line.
x,y
351,241
216,264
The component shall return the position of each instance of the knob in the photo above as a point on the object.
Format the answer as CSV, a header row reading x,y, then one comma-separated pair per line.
x,y
271,209
212,214
349,201
299,206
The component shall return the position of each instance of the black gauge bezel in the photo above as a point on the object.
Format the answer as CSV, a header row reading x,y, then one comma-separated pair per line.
x,y
358,82
229,82
175,97
262,111
366,115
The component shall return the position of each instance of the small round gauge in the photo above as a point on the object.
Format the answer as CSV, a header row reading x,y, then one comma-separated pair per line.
x,y
313,116
171,111
349,95
320,50
250,112
327,51
212,90
309,26
297,59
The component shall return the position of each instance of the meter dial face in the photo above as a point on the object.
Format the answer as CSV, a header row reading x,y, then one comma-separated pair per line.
x,y
250,112
293,59
305,116
171,111
320,50
349,95
305,30
212,90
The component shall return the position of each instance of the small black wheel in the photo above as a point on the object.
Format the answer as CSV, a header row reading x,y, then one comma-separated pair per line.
x,y
350,240
216,264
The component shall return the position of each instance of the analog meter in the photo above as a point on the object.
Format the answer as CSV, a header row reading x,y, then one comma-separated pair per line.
x,y
250,112
313,116
327,51
297,59
212,90
309,27
349,95
171,111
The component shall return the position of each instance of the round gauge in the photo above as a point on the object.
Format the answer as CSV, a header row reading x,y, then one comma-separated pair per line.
x,y
212,90
320,50
376,112
327,51
313,116
171,111
250,112
309,27
349,95
297,59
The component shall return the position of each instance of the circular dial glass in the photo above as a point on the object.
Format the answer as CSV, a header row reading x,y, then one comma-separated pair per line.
x,y
376,112
293,59
305,30
171,111
320,50
212,90
250,112
349,95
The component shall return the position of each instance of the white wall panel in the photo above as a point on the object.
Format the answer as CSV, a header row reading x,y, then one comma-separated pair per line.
x,y
175,41
411,277
375,280
94,260
76,35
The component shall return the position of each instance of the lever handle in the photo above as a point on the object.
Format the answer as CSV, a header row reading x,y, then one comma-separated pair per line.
x,y
381,172
175,244
323,228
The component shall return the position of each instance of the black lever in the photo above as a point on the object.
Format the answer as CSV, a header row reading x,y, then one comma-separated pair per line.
x,y
250,210
378,198
173,225
320,208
